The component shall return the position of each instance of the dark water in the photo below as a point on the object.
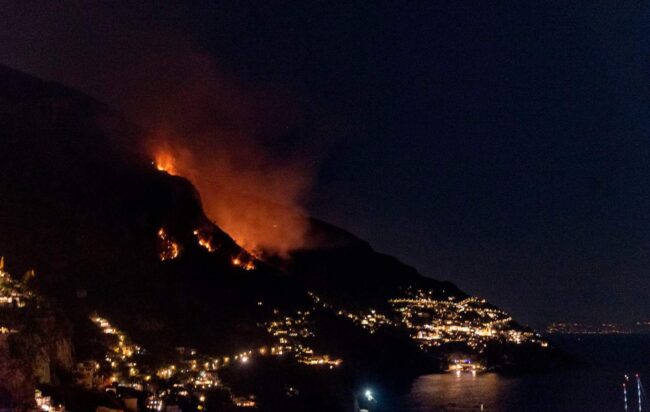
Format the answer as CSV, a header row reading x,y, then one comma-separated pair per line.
x,y
596,388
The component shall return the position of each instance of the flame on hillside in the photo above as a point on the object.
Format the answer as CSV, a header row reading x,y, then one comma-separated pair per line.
x,y
168,248
205,240
250,198
243,136
244,263
236,142
164,161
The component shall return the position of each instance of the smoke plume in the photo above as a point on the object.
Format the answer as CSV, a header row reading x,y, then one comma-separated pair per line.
x,y
251,197
217,132
230,138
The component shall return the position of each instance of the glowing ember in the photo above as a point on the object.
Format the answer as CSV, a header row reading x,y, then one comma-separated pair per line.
x,y
248,265
205,241
168,248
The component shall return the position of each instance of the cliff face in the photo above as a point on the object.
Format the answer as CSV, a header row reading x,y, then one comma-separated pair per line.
x,y
38,351
54,350
17,382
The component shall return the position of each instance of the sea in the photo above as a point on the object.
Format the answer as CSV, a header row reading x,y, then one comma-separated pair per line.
x,y
594,388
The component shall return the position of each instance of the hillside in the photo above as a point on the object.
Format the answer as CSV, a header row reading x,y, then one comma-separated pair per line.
x,y
109,234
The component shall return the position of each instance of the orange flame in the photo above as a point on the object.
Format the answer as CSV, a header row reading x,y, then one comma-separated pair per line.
x,y
246,265
204,241
164,161
169,249
244,198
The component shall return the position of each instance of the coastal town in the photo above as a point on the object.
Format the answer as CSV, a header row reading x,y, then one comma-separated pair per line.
x,y
321,206
126,374
434,322
471,320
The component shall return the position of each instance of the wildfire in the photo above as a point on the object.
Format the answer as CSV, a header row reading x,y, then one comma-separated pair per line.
x,y
164,161
254,202
169,249
247,265
205,241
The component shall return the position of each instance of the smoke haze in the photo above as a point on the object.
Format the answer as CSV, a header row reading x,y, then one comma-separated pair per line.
x,y
213,128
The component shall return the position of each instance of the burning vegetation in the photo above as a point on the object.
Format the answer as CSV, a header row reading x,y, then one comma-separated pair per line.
x,y
205,240
245,263
244,260
252,199
168,248
164,161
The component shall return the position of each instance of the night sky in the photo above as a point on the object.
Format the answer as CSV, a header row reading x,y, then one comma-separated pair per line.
x,y
501,147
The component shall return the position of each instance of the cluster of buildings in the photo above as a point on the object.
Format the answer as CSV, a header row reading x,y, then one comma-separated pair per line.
x,y
292,334
370,319
125,370
120,359
14,294
44,403
192,376
187,381
434,322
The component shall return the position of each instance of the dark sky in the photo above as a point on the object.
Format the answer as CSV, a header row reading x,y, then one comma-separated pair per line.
x,y
502,147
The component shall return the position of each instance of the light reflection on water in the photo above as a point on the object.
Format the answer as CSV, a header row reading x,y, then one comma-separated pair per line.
x,y
585,390
458,393
593,389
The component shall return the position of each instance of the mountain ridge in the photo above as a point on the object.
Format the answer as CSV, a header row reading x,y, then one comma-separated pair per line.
x,y
109,233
